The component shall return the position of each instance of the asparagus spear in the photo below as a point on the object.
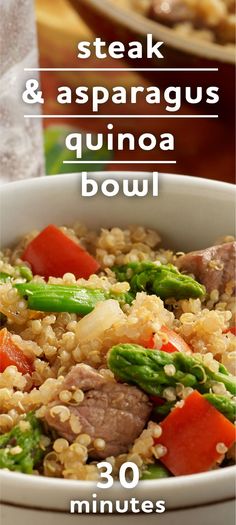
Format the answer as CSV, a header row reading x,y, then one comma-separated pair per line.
x,y
206,377
155,471
223,404
4,277
60,298
20,449
25,272
22,270
163,410
162,280
147,368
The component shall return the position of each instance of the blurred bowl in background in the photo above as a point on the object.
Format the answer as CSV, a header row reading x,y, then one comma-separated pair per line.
x,y
112,22
59,31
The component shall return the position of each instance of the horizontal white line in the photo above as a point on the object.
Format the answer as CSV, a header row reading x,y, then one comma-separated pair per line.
x,y
91,69
119,161
121,116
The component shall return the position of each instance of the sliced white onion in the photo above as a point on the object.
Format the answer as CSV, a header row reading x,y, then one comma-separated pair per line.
x,y
103,316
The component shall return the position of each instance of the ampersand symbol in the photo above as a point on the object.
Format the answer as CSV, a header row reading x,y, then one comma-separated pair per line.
x,y
31,95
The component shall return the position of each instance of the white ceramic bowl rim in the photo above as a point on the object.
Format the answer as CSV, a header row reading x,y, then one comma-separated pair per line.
x,y
57,189
174,179
207,477
205,482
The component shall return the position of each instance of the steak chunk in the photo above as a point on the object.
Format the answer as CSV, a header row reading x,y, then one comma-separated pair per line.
x,y
83,377
114,412
213,267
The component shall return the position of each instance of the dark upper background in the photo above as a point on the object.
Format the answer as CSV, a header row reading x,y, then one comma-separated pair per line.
x,y
204,148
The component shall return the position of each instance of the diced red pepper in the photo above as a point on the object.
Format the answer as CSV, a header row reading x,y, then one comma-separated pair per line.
x,y
232,329
52,253
191,434
150,344
10,354
175,342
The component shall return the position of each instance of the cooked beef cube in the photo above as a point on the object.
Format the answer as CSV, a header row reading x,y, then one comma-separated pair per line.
x,y
213,267
114,412
83,377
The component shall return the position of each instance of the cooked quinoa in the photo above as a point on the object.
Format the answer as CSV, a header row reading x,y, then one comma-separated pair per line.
x,y
209,20
55,343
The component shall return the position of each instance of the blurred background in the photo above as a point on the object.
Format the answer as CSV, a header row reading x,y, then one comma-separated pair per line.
x,y
203,148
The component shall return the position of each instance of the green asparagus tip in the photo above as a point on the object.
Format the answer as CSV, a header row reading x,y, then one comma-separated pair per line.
x,y
155,471
163,280
20,449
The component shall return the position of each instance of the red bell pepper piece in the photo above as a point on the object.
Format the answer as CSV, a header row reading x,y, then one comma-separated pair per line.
x,y
175,342
150,344
191,434
52,253
232,329
10,354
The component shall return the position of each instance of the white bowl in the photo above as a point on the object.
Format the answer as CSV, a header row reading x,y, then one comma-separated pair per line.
x,y
190,213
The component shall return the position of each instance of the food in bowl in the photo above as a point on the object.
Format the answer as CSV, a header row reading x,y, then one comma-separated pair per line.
x,y
210,20
112,347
